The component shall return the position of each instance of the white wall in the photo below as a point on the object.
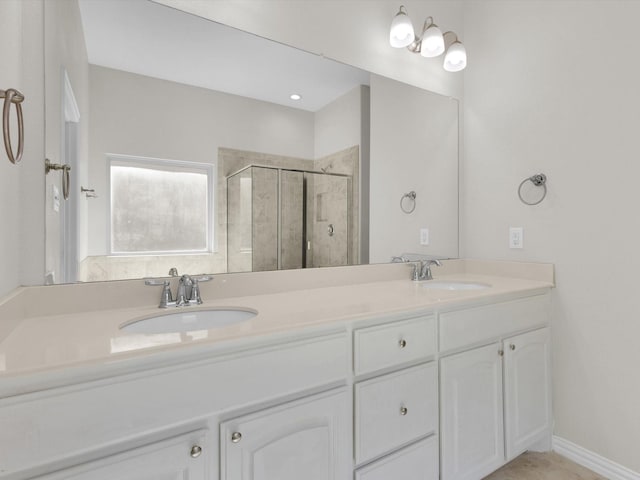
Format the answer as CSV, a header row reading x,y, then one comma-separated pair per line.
x,y
10,77
414,147
21,186
554,87
338,124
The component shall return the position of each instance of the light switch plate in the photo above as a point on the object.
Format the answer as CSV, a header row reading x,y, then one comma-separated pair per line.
x,y
424,236
55,198
516,237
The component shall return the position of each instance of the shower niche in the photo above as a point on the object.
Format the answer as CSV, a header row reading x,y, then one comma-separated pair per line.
x,y
279,218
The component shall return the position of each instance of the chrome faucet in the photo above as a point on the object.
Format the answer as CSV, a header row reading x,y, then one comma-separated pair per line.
x,y
188,291
422,269
425,269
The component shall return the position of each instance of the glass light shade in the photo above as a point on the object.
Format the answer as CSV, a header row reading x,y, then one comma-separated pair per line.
x,y
401,33
432,42
456,58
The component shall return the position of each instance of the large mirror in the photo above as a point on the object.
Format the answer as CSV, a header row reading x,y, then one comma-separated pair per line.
x,y
179,143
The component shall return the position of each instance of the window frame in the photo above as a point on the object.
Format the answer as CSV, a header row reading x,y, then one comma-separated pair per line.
x,y
162,164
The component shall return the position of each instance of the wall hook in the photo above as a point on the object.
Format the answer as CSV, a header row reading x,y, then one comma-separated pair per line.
x,y
88,192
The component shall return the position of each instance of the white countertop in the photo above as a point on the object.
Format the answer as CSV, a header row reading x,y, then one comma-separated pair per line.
x,y
49,346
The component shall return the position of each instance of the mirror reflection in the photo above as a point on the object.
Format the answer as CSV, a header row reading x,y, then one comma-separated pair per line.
x,y
198,147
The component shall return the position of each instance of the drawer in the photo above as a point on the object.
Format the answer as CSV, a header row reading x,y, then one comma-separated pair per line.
x,y
393,344
419,461
395,409
463,328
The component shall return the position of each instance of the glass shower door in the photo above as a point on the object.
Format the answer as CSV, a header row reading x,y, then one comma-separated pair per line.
x,y
328,212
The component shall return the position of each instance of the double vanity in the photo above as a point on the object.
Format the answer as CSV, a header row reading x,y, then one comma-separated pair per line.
x,y
338,373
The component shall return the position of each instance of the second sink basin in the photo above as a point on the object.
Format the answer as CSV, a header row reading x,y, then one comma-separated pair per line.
x,y
190,320
441,285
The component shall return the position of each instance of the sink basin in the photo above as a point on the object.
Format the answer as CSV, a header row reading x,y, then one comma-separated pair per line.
x,y
190,320
454,286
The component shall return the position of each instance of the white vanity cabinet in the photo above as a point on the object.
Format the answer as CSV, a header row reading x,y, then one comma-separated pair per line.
x,y
471,413
184,457
495,399
450,394
308,439
527,387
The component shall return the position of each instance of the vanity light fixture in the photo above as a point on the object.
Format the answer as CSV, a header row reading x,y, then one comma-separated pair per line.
x,y
456,57
431,43
401,34
295,96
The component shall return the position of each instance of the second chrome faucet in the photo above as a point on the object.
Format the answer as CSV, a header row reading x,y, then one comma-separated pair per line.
x,y
421,268
188,291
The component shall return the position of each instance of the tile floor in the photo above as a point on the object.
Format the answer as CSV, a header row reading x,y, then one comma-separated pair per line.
x,y
543,466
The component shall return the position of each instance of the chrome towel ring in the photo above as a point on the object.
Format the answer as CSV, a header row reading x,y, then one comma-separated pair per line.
x,y
411,199
539,180
12,96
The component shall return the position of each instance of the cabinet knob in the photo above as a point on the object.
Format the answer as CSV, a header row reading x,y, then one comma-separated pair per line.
x,y
512,346
501,353
404,411
236,437
196,451
402,343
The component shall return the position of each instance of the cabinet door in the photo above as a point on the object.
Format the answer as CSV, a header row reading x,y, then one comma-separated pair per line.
x,y
527,390
186,457
471,415
308,439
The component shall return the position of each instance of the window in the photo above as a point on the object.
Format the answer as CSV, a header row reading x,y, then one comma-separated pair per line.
x,y
160,206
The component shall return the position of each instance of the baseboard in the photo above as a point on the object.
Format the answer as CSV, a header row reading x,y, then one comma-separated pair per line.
x,y
593,461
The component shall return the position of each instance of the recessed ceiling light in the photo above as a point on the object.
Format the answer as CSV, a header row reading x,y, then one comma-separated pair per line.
x,y
295,96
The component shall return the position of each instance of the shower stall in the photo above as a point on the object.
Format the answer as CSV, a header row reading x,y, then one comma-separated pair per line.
x,y
280,218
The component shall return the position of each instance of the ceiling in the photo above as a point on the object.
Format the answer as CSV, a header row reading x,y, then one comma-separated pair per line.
x,y
149,39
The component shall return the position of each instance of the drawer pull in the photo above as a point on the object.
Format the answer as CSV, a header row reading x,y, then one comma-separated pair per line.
x,y
512,346
501,353
236,437
404,411
402,343
196,451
